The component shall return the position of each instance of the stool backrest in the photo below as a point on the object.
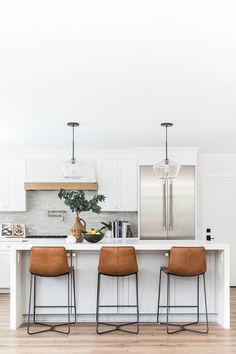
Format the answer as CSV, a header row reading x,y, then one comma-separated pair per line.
x,y
49,261
187,261
118,261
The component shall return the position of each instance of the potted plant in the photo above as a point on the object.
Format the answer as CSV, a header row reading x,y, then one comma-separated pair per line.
x,y
78,203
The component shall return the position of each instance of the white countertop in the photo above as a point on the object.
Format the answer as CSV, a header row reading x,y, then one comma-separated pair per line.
x,y
145,245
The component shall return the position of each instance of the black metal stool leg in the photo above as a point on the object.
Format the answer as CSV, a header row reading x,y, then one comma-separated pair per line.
x,y
137,302
197,298
120,326
29,310
97,310
73,311
97,306
159,294
205,297
69,303
168,303
73,277
53,327
34,314
33,282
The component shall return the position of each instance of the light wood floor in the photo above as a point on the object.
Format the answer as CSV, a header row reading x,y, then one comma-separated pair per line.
x,y
83,340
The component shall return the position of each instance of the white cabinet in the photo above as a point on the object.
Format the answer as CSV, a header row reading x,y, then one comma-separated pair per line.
x,y
127,185
117,180
12,178
3,195
107,177
4,268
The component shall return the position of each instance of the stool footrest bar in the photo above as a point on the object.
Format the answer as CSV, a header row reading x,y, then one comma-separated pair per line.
x,y
117,327
173,306
183,327
117,305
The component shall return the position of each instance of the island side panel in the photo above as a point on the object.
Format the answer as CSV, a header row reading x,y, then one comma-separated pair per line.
x,y
223,287
16,289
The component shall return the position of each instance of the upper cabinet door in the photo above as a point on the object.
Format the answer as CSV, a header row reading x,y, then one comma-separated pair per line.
x,y
117,180
127,185
16,195
3,178
107,176
12,178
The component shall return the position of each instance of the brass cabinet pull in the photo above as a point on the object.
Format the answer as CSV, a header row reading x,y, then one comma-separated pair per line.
x,y
69,254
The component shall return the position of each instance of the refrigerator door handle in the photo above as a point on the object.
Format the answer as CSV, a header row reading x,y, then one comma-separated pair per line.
x,y
171,221
164,219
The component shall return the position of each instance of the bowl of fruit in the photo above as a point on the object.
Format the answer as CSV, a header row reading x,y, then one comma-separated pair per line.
x,y
93,235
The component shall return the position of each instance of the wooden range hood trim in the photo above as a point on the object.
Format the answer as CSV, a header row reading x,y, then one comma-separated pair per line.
x,y
50,186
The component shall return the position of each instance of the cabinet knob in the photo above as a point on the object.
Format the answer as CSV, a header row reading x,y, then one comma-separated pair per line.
x,y
167,254
68,254
73,254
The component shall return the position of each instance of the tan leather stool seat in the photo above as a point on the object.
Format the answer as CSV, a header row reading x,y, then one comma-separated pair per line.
x,y
118,261
186,261
49,261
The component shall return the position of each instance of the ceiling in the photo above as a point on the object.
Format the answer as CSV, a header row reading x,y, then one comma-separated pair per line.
x,y
120,68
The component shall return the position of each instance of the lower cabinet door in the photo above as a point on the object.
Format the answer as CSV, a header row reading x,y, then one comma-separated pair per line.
x,y
4,270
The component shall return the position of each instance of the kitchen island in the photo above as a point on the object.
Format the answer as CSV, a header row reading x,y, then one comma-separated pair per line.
x,y
150,255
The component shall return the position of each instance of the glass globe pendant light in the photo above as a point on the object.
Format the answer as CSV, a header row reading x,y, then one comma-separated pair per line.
x,y
166,169
72,169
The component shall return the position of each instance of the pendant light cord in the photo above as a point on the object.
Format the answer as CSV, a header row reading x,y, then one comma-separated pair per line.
x,y
73,144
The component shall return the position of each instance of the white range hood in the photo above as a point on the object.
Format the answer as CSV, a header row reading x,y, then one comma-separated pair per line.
x,y
46,174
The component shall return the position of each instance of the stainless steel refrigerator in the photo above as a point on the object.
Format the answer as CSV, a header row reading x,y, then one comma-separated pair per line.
x,y
167,208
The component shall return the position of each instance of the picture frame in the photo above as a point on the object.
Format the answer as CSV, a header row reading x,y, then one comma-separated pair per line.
x,y
6,230
18,230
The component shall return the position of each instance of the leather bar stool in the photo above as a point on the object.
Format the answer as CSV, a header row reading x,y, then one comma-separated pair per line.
x,y
184,262
117,262
51,262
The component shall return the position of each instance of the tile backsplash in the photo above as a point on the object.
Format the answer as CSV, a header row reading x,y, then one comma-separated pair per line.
x,y
37,222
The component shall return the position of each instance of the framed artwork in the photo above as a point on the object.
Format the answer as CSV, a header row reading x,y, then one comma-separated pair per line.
x,y
6,230
18,230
